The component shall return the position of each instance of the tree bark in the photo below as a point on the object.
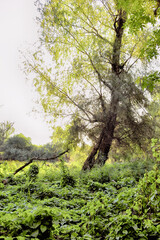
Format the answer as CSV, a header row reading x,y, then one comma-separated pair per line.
x,y
105,141
89,163
103,144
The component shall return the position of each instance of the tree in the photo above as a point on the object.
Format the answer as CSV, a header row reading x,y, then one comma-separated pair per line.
x,y
46,151
17,147
95,49
6,129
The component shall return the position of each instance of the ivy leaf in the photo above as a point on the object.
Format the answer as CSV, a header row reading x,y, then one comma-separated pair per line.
x,y
158,180
125,232
35,233
43,228
35,225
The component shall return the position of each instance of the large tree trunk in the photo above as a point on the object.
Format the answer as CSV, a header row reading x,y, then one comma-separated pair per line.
x,y
90,161
103,144
105,140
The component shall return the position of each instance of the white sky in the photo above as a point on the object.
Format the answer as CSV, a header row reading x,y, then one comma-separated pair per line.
x,y
18,32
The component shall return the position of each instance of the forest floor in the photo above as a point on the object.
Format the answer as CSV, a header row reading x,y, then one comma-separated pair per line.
x,y
56,201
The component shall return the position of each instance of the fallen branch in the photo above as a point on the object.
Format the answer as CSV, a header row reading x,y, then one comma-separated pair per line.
x,y
5,181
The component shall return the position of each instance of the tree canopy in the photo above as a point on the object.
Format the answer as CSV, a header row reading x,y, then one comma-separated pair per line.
x,y
89,68
6,129
19,147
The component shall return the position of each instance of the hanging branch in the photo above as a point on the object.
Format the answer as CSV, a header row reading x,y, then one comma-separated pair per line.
x,y
5,181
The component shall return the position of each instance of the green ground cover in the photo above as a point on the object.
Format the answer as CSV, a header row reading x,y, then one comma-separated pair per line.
x,y
53,201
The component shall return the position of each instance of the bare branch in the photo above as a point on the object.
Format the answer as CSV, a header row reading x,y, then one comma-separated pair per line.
x,y
100,78
63,93
132,64
108,8
131,53
92,85
95,31
89,24
39,159
67,96
5,181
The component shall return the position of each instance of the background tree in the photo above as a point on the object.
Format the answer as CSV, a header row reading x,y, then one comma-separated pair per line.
x,y
17,147
95,49
6,129
46,151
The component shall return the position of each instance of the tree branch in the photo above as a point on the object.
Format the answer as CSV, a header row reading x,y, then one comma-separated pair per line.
x,y
158,6
5,181
91,25
62,92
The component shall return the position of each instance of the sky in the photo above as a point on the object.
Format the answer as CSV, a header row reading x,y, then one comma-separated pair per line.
x,y
18,30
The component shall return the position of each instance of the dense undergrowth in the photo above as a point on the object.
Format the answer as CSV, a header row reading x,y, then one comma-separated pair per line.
x,y
46,201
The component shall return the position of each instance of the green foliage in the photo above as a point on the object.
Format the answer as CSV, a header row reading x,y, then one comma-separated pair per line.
x,y
6,129
33,172
106,203
17,147
156,149
48,150
151,46
20,148
66,179
36,224
149,82
69,136
82,44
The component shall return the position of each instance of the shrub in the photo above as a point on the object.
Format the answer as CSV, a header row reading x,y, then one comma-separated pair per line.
x,y
66,179
33,172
